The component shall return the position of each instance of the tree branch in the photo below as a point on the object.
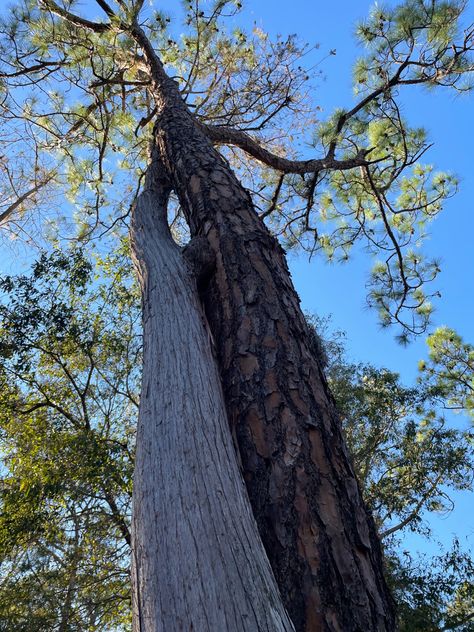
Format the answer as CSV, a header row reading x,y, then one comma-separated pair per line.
x,y
72,18
413,514
44,65
237,138
118,517
8,212
103,5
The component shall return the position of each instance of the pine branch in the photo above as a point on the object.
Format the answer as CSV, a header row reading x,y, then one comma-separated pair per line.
x,y
237,138
44,65
72,18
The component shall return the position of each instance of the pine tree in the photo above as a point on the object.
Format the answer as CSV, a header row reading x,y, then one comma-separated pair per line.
x,y
230,291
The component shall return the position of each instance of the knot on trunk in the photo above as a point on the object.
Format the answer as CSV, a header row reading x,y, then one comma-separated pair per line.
x,y
201,260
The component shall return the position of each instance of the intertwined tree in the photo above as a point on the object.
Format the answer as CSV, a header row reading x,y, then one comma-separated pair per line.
x,y
227,352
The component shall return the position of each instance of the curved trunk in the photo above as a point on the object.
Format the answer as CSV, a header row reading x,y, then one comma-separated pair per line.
x,y
198,562
321,542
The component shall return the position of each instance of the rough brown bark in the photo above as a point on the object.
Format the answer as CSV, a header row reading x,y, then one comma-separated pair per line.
x,y
320,540
197,560
318,536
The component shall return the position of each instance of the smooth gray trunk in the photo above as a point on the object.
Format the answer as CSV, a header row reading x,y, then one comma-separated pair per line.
x,y
198,562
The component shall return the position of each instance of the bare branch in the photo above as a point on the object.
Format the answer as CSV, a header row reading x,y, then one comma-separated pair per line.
x,y
103,5
44,65
237,138
275,197
8,212
413,514
72,18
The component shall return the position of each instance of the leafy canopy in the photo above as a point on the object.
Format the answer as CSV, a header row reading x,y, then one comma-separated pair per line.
x,y
69,380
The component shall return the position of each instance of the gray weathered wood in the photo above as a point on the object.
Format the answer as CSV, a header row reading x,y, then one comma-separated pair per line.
x,y
198,561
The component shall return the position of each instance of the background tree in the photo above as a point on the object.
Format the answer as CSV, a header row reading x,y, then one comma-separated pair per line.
x,y
448,372
70,352
251,299
65,496
409,460
434,593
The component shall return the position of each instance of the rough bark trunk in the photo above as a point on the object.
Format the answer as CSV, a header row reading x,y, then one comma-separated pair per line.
x,y
198,562
319,538
321,542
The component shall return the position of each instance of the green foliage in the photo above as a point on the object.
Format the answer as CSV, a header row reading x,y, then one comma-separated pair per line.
x,y
449,371
434,594
69,371
433,29
406,457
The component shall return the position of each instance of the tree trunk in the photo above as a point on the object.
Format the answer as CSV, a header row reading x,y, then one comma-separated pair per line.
x,y
320,540
198,562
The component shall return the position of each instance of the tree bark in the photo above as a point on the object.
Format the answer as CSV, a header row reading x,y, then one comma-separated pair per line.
x,y
198,562
320,540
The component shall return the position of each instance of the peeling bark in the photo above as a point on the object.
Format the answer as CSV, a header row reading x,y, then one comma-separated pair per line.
x,y
198,562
